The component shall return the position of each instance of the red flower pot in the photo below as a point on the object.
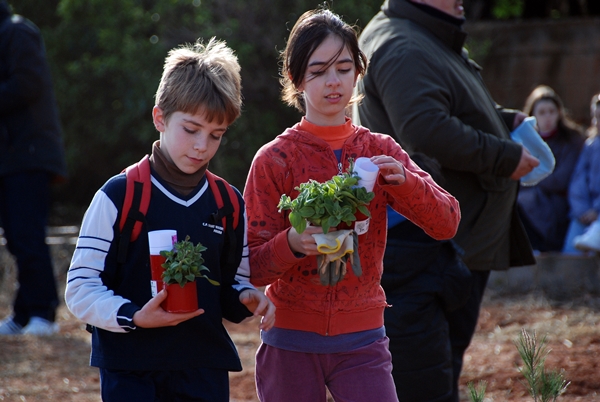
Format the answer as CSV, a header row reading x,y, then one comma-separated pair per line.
x,y
156,271
181,299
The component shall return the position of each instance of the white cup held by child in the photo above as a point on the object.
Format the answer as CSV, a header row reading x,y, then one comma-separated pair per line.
x,y
367,171
159,240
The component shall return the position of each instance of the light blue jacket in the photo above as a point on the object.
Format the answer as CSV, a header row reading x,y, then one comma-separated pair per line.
x,y
584,191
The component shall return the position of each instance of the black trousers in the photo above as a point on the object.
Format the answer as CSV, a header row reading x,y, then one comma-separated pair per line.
x,y
424,280
199,385
24,207
462,324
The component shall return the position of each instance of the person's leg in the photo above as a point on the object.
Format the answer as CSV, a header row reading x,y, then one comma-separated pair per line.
x,y
420,347
126,386
282,375
575,229
199,385
362,375
417,277
24,217
462,323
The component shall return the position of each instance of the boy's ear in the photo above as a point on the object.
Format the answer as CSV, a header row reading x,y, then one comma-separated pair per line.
x,y
158,119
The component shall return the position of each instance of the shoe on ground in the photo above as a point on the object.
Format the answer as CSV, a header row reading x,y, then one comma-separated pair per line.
x,y
590,240
40,326
9,327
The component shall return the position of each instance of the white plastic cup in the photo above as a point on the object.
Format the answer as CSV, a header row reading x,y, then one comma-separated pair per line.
x,y
367,171
160,240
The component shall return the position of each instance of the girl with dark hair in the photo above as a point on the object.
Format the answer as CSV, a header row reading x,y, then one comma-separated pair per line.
x,y
544,208
329,336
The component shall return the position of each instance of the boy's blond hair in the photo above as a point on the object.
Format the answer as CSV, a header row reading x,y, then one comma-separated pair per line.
x,y
203,78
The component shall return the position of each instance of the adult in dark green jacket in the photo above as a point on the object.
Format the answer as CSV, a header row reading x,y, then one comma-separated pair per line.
x,y
31,157
422,88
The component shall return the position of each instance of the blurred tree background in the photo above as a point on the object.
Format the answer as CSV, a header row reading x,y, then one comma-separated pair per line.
x,y
107,55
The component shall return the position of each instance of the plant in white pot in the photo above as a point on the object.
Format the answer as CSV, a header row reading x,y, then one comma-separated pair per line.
x,y
327,204
335,203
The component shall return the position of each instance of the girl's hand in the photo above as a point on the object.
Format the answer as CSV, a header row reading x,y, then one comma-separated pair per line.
x,y
304,243
259,304
390,169
152,314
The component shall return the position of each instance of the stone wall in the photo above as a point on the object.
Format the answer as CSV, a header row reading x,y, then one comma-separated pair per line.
x,y
555,276
518,56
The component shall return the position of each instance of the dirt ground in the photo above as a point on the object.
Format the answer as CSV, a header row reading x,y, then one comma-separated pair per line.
x,y
56,368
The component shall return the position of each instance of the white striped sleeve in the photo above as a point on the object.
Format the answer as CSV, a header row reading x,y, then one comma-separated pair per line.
x,y
85,294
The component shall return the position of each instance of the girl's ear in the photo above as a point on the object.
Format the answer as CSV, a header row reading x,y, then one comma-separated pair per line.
x,y
355,79
158,119
300,87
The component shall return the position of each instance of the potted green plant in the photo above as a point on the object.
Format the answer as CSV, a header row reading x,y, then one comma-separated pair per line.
x,y
183,264
329,204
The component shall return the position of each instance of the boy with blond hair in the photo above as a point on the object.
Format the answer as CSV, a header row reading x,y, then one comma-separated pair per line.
x,y
144,352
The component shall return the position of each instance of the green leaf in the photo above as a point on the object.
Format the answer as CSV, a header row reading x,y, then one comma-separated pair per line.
x,y
301,227
325,226
307,212
364,210
295,219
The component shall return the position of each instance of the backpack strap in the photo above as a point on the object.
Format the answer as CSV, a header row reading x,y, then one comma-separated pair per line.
x,y
228,212
227,200
135,205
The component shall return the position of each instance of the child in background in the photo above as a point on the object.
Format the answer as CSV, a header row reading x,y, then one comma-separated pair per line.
x,y
329,336
544,208
584,192
143,352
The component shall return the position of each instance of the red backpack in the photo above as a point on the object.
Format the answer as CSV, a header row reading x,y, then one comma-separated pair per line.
x,y
137,200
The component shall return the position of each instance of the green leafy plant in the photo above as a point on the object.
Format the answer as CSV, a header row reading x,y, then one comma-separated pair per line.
x,y
543,386
327,204
477,394
184,263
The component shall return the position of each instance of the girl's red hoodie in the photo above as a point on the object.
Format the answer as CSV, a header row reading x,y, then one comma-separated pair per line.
x,y
355,303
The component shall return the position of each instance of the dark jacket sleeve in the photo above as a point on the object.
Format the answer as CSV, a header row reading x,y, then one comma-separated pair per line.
x,y
422,116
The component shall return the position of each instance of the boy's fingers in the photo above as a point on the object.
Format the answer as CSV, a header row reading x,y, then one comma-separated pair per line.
x,y
158,299
161,296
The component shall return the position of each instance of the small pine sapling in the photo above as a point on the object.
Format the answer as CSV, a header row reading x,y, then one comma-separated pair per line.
x,y
543,386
